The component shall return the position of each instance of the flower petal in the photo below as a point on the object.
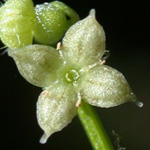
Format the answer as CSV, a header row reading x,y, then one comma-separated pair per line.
x,y
84,42
37,63
104,86
55,109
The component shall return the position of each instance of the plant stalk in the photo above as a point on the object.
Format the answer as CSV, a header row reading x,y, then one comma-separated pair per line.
x,y
94,128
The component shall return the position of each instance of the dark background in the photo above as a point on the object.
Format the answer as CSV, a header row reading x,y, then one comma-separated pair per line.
x,y
126,24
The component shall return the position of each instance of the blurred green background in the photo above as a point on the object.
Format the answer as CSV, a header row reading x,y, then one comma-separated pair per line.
x,y
126,24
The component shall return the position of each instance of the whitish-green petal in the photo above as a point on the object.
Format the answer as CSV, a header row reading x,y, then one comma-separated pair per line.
x,y
37,63
104,86
16,23
84,42
55,109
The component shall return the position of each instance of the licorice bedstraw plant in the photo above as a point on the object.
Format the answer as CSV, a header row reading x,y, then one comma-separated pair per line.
x,y
73,75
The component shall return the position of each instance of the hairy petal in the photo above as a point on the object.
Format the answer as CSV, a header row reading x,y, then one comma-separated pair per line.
x,y
84,42
104,86
37,63
55,109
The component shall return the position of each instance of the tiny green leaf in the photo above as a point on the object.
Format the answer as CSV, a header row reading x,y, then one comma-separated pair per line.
x,y
52,22
37,63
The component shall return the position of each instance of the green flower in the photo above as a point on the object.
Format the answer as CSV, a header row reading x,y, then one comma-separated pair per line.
x,y
52,21
72,72
16,23
20,22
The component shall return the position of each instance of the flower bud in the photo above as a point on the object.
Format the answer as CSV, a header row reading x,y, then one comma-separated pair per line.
x,y
53,19
16,23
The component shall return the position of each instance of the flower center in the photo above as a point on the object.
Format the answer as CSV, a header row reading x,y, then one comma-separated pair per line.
x,y
72,75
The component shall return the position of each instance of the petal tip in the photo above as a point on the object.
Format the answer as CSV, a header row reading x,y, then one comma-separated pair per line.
x,y
139,104
92,13
44,138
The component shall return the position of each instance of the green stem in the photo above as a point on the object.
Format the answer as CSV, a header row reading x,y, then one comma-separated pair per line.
x,y
94,128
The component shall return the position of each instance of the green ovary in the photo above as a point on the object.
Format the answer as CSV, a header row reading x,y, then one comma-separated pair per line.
x,y
72,76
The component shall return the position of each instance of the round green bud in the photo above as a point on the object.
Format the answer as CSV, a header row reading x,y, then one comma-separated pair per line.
x,y
53,20
16,23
